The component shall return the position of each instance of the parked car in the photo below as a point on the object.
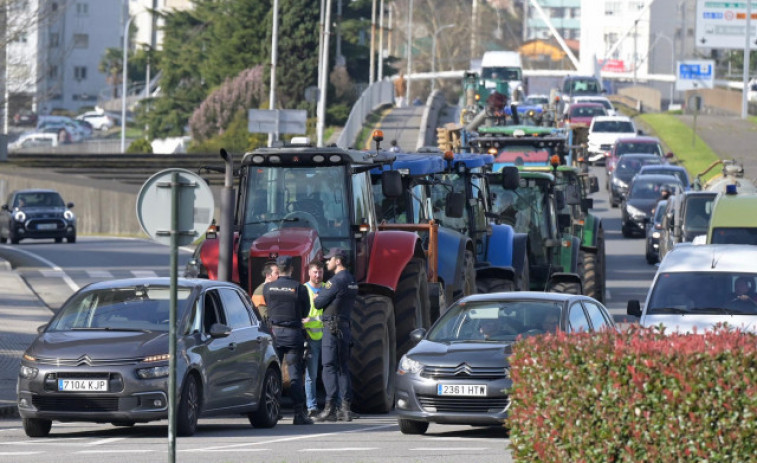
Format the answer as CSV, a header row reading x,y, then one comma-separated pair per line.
x,y
603,100
634,145
34,140
37,214
583,113
628,167
643,194
25,117
103,357
652,253
99,120
687,216
603,132
458,373
668,169
699,287
76,132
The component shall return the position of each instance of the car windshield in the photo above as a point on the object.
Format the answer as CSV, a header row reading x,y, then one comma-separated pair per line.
x,y
651,189
131,308
638,148
606,103
681,175
41,199
734,235
703,293
588,111
494,321
628,167
612,127
697,215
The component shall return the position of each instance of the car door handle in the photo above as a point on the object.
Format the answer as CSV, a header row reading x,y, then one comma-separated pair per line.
x,y
232,346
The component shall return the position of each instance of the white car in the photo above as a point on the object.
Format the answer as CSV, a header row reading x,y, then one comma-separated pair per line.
x,y
698,287
603,100
603,132
34,140
50,123
98,120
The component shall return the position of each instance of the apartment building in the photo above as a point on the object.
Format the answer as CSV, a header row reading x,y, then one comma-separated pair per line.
x,y
565,16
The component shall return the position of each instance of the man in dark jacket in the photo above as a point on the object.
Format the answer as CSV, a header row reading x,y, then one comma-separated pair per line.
x,y
337,299
288,303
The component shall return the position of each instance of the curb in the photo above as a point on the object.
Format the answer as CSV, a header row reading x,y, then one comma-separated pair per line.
x,y
5,266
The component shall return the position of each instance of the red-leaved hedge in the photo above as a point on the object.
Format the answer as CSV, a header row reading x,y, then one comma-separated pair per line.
x,y
636,396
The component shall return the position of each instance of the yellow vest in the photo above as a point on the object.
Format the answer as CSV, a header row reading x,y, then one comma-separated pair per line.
x,y
314,327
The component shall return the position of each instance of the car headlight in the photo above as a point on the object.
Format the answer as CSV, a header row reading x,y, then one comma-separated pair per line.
x,y
69,215
19,216
619,183
656,235
153,372
28,372
408,365
637,214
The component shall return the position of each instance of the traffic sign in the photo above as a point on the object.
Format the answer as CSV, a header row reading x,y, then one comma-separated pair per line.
x,y
694,74
277,121
195,206
722,24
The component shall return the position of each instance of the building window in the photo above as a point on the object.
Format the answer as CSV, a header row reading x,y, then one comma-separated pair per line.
x,y
82,9
54,40
81,40
80,73
612,8
52,73
22,37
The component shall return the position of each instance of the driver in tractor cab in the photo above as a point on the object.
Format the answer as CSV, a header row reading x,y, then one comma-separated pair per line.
x,y
495,106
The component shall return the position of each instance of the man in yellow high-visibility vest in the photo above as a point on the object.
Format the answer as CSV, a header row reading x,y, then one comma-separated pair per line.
x,y
314,328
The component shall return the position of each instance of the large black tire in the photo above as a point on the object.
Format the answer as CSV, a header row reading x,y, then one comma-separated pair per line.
x,y
468,277
13,238
438,297
411,304
412,427
494,285
71,239
36,427
269,406
3,239
591,275
189,407
373,359
566,288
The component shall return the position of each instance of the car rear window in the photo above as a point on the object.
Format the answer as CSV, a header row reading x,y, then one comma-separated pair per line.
x,y
613,126
639,148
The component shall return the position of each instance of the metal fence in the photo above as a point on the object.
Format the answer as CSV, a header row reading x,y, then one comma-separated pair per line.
x,y
376,95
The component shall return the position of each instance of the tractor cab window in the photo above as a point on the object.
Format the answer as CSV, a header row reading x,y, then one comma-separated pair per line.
x,y
408,208
362,195
501,73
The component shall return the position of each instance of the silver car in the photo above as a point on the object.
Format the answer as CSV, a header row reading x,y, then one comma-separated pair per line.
x,y
459,372
104,358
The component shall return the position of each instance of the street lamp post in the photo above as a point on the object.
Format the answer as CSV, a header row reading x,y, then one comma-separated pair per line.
x,y
433,55
124,77
660,35
409,49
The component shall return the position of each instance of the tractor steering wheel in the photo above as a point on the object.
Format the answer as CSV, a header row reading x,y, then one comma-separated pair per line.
x,y
301,216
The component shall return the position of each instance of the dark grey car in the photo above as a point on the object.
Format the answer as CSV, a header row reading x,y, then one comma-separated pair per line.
x,y
104,358
37,214
459,371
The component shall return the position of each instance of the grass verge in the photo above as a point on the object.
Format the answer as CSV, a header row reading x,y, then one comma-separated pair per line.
x,y
689,149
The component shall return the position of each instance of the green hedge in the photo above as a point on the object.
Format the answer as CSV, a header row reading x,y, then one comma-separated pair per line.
x,y
635,396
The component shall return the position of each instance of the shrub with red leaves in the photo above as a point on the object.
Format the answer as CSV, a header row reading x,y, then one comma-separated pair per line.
x,y
635,396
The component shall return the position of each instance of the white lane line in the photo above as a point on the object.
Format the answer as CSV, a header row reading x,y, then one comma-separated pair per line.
x,y
18,454
99,274
294,438
448,449
340,449
51,273
117,451
225,450
66,279
60,440
106,441
144,273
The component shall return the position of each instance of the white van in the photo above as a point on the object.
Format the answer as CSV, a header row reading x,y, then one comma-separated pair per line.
x,y
698,287
507,66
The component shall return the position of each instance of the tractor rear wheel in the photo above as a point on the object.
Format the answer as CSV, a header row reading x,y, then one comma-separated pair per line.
x,y
566,287
494,285
411,304
469,275
373,358
591,275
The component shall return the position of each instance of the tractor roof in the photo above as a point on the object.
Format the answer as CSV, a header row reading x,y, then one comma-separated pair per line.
x,y
309,156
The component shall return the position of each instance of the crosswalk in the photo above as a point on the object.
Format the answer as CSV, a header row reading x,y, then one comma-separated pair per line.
x,y
95,274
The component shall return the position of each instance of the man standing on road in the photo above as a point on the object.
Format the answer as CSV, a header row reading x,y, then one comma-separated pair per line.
x,y
337,299
288,303
270,273
314,329
400,89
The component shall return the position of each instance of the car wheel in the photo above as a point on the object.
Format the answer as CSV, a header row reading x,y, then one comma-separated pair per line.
x,y
3,239
625,231
269,406
412,427
71,239
189,408
58,240
35,427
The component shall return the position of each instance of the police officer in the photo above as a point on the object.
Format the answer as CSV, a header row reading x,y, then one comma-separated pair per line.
x,y
288,303
337,299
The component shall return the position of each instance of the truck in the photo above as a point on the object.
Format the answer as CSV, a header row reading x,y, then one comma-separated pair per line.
x,y
298,200
504,66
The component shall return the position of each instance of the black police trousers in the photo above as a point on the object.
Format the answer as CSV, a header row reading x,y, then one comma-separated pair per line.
x,y
335,352
294,357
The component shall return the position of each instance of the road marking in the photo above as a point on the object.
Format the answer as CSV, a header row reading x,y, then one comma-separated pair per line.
x,y
99,274
448,449
144,273
18,454
340,449
106,441
117,451
66,279
225,450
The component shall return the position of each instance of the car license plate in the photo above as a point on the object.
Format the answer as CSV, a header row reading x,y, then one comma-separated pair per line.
x,y
91,385
46,226
461,389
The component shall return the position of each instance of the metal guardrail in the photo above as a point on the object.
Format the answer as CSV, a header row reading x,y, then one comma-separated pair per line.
x,y
376,95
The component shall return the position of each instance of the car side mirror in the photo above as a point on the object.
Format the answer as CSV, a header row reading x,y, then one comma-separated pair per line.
x,y
669,154
639,132
41,328
417,334
219,330
70,205
563,221
454,205
5,207
391,184
593,184
634,308
586,204
510,178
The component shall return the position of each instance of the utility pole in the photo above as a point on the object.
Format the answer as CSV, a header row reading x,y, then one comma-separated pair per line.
x,y
4,60
321,110
372,65
381,42
747,46
409,50
473,29
635,56
274,62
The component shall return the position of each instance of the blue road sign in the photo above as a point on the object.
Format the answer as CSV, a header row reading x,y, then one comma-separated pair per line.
x,y
695,74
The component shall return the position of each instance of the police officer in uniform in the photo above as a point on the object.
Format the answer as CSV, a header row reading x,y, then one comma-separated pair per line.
x,y
337,299
288,303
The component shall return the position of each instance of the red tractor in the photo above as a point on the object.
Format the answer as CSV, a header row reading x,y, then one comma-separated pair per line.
x,y
302,201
